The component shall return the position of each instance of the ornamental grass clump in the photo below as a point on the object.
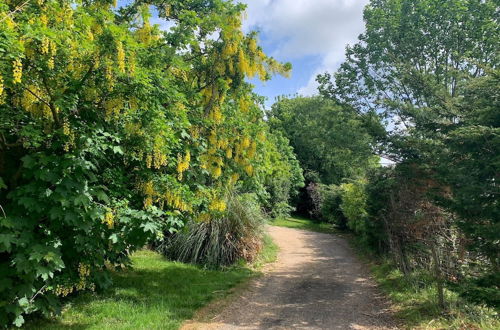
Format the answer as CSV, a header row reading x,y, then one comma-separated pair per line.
x,y
223,240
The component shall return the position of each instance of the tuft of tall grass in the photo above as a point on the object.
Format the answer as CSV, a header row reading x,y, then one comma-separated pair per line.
x,y
221,241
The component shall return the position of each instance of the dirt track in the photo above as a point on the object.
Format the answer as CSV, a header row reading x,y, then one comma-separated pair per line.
x,y
316,283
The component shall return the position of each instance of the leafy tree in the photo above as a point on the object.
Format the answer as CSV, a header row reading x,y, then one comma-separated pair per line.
x,y
412,59
330,140
469,165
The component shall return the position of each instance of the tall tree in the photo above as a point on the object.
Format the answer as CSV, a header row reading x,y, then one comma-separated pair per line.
x,y
329,140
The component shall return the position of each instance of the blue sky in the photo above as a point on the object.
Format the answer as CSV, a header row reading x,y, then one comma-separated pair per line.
x,y
311,34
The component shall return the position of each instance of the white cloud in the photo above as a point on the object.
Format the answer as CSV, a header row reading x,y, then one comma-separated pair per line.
x,y
308,27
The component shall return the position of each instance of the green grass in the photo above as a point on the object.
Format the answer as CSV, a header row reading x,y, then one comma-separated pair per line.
x,y
305,224
414,297
155,294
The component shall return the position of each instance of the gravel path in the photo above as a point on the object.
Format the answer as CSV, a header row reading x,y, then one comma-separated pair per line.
x,y
316,283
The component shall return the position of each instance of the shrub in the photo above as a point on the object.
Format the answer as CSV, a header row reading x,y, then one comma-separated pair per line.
x,y
220,241
353,206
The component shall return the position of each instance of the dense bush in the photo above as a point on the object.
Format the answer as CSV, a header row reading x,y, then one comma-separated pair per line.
x,y
353,206
325,204
220,241
113,132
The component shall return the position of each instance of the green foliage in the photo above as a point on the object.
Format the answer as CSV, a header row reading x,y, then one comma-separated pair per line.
x,y
155,291
329,139
470,165
283,183
113,133
353,206
221,241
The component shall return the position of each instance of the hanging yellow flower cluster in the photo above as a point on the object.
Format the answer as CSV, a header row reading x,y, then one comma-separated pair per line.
x,y
148,190
183,163
17,71
216,115
31,101
45,46
120,54
1,87
83,270
44,20
83,273
113,108
217,205
175,201
63,291
159,158
109,219
147,34
108,74
70,134
178,73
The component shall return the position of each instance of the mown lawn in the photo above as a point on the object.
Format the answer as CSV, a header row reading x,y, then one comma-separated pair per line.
x,y
155,294
298,222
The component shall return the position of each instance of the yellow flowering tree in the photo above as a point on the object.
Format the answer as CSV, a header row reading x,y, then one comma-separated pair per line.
x,y
113,132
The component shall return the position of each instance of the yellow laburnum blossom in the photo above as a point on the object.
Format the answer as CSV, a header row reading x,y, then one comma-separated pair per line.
x,y
44,20
252,45
50,63
183,164
83,270
131,64
8,20
252,150
213,137
234,178
120,56
149,160
148,201
216,115
53,48
66,129
217,172
217,205
1,85
17,71
148,188
249,169
109,219
45,45
245,143
63,291
261,136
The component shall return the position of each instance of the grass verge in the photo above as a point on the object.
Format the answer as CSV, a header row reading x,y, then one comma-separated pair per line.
x,y
415,301
298,222
155,294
